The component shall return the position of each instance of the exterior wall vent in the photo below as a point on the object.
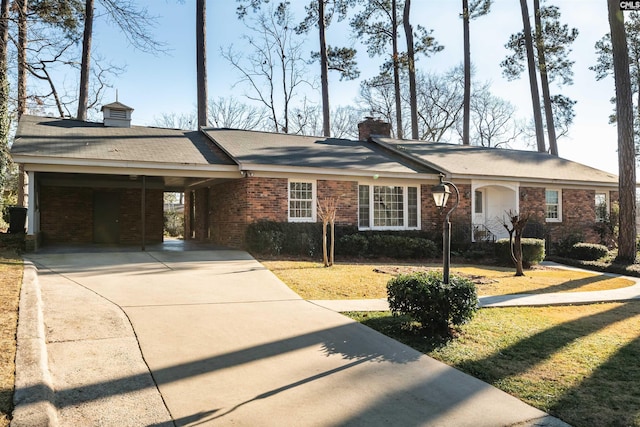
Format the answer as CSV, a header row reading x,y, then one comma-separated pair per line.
x,y
117,114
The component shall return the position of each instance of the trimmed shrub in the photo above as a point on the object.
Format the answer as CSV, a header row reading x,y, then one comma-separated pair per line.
x,y
305,239
532,252
564,244
400,247
353,245
588,251
424,298
265,237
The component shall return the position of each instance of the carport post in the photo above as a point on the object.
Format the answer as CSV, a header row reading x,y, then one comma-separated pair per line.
x,y
142,209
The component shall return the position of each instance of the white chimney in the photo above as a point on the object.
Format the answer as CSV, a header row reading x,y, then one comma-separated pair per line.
x,y
117,114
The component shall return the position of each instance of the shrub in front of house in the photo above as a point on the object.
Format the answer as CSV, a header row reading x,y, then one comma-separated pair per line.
x,y
564,244
265,237
305,239
532,252
355,245
588,251
436,306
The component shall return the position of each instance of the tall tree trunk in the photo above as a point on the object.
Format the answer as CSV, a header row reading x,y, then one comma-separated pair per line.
x,y
466,103
396,69
4,90
626,149
413,98
23,8
201,60
83,96
533,81
4,35
324,71
544,80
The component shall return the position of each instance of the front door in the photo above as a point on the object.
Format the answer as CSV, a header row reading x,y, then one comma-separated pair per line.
x,y
106,217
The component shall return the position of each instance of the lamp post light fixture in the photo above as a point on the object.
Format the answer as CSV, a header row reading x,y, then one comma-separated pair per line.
x,y
441,193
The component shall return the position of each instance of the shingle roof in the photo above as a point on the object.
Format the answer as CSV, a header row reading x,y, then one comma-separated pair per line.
x,y
497,162
264,148
73,139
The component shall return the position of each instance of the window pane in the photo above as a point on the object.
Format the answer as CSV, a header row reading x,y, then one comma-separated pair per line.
x,y
478,206
363,206
553,204
388,206
412,202
301,200
601,207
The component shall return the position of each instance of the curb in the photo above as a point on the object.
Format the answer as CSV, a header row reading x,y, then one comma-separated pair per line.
x,y
33,397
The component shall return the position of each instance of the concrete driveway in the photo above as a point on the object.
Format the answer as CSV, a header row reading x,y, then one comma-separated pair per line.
x,y
210,337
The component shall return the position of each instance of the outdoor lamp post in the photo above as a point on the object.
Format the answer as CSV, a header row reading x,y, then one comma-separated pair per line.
x,y
441,193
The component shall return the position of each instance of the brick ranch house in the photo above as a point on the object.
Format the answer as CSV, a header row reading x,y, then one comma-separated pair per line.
x,y
91,182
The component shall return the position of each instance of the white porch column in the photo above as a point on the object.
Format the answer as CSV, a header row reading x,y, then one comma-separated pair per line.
x,y
33,223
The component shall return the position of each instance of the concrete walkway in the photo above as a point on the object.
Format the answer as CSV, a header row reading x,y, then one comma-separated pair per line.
x,y
210,337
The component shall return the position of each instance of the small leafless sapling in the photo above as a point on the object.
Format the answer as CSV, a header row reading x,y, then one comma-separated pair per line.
x,y
515,228
327,209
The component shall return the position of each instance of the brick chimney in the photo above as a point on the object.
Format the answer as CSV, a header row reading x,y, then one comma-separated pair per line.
x,y
117,114
371,126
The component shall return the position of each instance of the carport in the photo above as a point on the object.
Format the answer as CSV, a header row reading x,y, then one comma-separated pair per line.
x,y
89,183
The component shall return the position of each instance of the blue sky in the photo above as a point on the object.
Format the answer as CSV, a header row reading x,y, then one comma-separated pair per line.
x,y
153,85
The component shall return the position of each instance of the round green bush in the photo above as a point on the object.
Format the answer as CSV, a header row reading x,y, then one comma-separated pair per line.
x,y
437,306
588,251
533,251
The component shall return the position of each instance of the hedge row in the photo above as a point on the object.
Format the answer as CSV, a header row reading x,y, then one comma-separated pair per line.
x,y
305,239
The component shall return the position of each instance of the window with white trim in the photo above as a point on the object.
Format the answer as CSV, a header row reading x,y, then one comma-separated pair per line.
x,y
602,207
553,200
388,207
302,201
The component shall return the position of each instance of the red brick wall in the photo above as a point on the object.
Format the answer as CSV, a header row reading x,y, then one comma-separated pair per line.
x,y
236,204
433,217
66,215
346,193
578,213
130,216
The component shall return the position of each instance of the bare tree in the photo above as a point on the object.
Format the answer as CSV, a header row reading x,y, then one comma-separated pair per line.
x,y
515,229
231,113
185,121
327,209
493,120
274,68
626,149
439,103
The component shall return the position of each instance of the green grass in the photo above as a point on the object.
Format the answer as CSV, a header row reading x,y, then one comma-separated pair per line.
x,y
579,363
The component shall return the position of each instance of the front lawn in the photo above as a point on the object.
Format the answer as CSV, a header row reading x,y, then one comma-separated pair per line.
x,y
369,280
